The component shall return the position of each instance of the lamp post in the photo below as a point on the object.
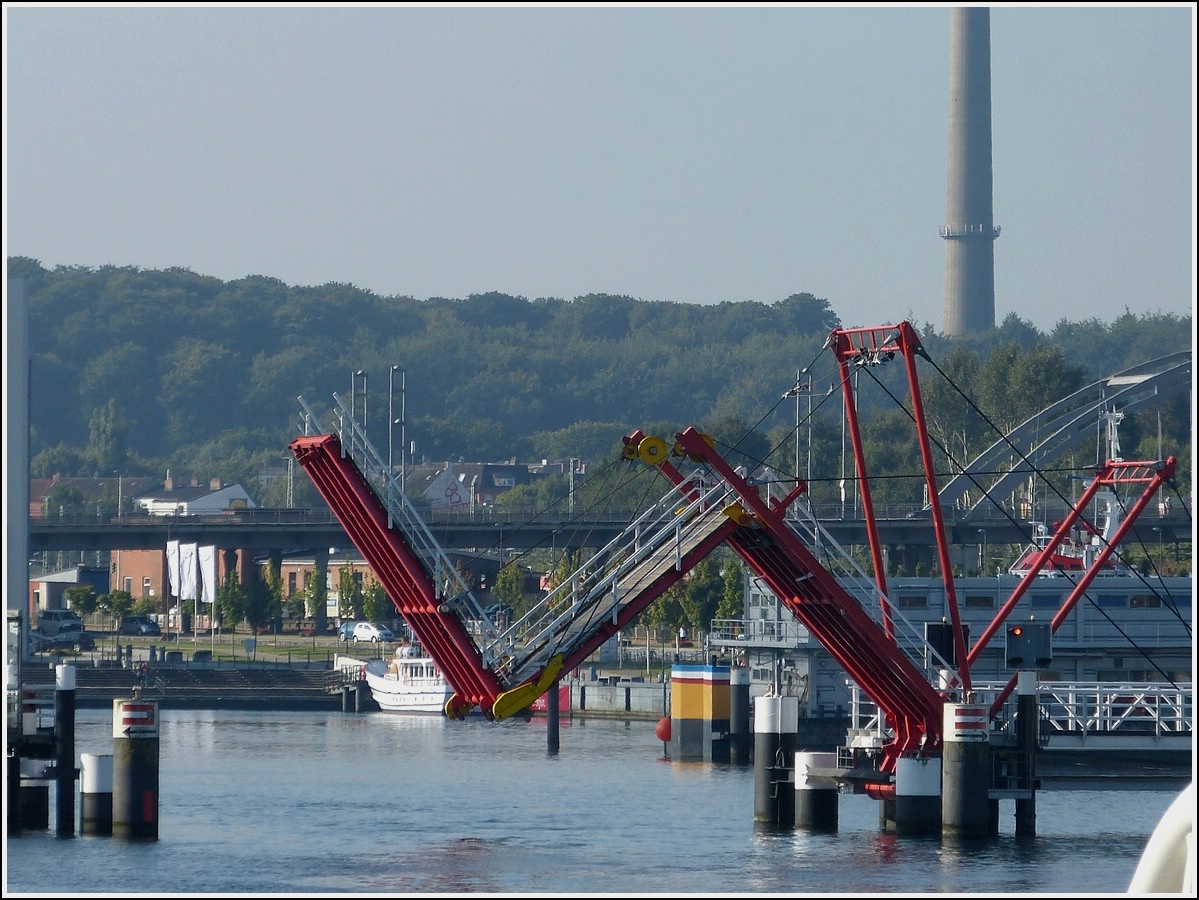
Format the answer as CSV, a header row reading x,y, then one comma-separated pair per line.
x,y
392,421
357,373
291,481
803,388
982,552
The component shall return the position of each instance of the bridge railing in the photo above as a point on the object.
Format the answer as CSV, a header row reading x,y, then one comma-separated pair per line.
x,y
572,612
404,516
1074,708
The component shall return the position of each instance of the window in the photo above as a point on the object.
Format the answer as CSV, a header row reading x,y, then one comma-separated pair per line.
x,y
1145,601
913,601
1042,601
291,583
146,590
127,585
980,601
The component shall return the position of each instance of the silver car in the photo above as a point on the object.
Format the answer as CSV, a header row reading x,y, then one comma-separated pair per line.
x,y
369,631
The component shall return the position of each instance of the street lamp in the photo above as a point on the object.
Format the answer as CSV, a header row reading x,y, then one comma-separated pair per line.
x,y
358,373
392,421
803,388
982,552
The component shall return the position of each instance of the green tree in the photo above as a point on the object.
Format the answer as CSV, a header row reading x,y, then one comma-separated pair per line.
x,y
349,592
145,606
509,586
108,437
230,602
117,603
63,499
732,599
315,594
83,599
376,604
703,590
260,602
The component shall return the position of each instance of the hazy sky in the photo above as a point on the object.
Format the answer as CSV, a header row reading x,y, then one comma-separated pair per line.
x,y
685,153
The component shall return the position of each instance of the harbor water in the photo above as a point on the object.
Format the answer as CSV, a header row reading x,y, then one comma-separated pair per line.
x,y
377,803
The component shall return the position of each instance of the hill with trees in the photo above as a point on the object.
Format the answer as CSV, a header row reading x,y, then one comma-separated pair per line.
x,y
140,371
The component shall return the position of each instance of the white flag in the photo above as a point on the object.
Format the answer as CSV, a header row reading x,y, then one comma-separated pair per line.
x,y
208,573
173,566
187,571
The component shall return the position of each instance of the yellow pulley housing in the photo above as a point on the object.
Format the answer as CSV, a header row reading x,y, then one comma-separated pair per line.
x,y
652,450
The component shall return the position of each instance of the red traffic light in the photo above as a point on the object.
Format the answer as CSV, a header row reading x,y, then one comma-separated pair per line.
x,y
1017,630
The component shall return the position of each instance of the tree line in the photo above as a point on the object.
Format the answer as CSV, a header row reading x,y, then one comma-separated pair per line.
x,y
139,372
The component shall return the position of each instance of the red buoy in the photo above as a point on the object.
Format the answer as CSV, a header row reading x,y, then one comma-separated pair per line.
x,y
662,729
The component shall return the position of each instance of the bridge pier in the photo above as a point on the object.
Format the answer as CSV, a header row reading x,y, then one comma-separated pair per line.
x,y
966,775
1027,738
776,722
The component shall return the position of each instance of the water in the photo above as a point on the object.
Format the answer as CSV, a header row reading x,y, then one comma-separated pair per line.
x,y
320,803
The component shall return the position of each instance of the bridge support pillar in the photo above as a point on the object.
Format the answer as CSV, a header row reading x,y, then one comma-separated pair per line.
x,y
64,750
740,738
699,713
966,771
776,722
1027,739
916,809
553,714
815,798
135,769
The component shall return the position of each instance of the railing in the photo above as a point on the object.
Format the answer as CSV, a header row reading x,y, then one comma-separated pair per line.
x,y
1073,708
758,632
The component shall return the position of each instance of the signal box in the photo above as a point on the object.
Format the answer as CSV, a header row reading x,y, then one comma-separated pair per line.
x,y
1029,645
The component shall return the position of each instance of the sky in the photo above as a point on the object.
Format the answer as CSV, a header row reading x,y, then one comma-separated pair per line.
x,y
690,153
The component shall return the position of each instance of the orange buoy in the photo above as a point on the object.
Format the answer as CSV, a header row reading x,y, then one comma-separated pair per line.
x,y
662,729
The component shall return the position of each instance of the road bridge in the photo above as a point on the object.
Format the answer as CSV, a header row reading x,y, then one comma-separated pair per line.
x,y
300,529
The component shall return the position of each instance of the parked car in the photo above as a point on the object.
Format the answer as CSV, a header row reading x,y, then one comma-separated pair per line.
x,y
369,631
51,621
67,639
346,631
139,625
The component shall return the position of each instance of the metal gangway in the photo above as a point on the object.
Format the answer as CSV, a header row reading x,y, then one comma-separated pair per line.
x,y
502,670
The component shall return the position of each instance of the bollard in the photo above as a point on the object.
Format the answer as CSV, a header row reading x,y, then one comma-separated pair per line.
x,y
917,795
553,703
135,769
1027,739
34,796
64,750
776,721
740,739
815,797
95,794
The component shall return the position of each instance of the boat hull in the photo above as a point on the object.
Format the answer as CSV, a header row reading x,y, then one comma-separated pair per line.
x,y
408,689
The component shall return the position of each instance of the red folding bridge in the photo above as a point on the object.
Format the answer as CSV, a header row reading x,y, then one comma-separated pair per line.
x,y
502,671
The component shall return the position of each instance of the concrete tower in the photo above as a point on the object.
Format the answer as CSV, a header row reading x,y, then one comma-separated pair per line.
x,y
969,231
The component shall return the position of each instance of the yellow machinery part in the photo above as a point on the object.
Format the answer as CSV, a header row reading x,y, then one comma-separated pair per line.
x,y
652,450
522,696
738,514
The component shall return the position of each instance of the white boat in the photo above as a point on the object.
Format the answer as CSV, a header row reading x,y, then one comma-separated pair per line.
x,y
409,682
